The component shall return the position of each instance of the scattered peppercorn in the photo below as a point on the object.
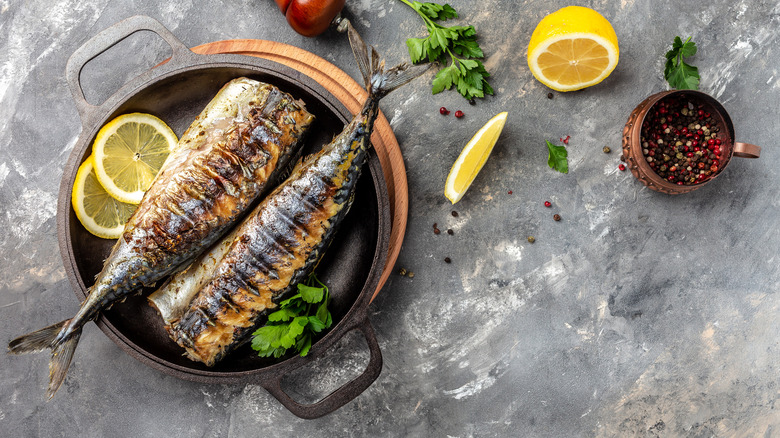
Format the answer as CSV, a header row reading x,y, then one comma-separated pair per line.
x,y
607,149
547,204
402,272
531,239
472,101
436,231
450,232
454,213
622,157
549,95
443,111
447,260
556,217
622,166
459,114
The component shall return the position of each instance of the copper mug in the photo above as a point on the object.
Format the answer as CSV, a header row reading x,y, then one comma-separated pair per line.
x,y
637,162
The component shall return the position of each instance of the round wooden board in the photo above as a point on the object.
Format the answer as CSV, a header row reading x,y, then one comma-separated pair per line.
x,y
352,96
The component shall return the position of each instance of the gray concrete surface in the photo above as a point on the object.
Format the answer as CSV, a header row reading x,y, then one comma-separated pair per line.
x,y
638,314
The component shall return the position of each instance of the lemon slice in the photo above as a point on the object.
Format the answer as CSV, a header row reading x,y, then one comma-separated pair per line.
x,y
573,48
473,157
100,213
129,152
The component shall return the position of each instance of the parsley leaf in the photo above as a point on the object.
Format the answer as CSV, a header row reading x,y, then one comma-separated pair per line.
x,y
311,294
296,320
677,72
557,158
458,43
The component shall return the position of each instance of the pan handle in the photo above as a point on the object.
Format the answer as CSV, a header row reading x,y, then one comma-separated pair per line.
x,y
340,396
107,39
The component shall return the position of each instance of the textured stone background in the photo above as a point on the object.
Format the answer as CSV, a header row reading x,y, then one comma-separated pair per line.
x,y
638,314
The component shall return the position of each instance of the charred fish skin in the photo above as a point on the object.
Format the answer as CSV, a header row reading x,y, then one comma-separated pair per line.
x,y
220,167
279,244
274,249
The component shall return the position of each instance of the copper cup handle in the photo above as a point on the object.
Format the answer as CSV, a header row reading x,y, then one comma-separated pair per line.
x,y
746,150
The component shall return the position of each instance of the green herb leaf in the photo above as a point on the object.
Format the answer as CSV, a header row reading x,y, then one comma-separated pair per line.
x,y
557,158
281,315
311,294
415,46
323,314
297,319
445,78
677,73
434,11
303,345
290,301
315,324
456,42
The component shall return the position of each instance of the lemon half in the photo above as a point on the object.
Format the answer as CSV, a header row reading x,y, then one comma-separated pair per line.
x,y
473,157
100,213
129,151
573,48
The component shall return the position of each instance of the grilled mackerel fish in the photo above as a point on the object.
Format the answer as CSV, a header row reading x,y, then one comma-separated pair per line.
x,y
214,305
221,165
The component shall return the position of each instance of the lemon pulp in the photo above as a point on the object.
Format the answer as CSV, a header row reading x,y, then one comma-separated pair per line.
x,y
98,212
129,151
473,157
573,48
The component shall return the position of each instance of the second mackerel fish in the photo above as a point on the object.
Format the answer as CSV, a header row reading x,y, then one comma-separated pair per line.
x,y
214,305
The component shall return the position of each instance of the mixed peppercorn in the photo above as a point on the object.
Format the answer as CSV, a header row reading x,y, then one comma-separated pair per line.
x,y
681,141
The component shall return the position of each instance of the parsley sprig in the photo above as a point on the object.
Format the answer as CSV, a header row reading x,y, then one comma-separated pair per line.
x,y
459,43
679,74
299,318
557,157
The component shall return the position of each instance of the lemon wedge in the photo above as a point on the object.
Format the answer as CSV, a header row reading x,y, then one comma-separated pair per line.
x,y
129,152
473,157
100,213
573,48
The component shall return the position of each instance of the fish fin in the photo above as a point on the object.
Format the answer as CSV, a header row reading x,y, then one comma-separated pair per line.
x,y
61,355
377,81
38,340
61,352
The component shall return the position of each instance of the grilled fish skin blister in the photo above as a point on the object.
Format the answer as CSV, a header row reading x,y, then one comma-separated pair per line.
x,y
220,167
212,307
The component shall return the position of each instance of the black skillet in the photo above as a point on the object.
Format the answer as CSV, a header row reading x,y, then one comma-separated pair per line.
x,y
176,92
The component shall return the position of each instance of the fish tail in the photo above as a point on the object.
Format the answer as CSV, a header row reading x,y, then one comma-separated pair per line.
x,y
378,81
61,355
38,340
61,351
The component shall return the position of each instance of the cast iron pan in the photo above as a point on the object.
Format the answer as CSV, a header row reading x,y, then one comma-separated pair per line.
x,y
176,92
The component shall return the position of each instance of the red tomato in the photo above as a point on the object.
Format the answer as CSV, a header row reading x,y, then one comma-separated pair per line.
x,y
310,17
